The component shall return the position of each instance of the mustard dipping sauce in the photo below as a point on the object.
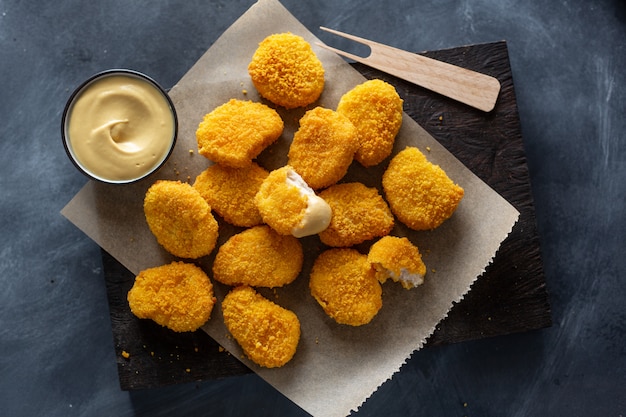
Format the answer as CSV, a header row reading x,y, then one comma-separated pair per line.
x,y
120,127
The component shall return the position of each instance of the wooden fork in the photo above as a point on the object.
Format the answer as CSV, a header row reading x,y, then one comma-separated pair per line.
x,y
469,87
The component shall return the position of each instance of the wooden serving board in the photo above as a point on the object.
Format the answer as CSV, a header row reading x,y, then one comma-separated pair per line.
x,y
509,297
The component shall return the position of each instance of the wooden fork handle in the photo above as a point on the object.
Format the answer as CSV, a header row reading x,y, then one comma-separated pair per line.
x,y
470,87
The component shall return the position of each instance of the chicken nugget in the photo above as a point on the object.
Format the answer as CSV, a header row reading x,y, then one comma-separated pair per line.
x,y
180,219
323,147
267,333
420,194
345,285
230,192
399,259
259,257
359,214
289,206
178,296
286,71
375,109
236,132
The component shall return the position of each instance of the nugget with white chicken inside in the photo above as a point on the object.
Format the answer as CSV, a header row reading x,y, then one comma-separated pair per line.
x,y
359,214
259,257
345,286
289,206
420,194
267,333
398,259
323,147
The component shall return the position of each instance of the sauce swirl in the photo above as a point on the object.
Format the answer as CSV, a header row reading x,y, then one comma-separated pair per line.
x,y
120,127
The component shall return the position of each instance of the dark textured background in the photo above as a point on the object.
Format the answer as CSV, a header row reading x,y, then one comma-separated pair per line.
x,y
567,59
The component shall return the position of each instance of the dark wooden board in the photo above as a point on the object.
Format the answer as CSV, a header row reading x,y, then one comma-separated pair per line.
x,y
509,297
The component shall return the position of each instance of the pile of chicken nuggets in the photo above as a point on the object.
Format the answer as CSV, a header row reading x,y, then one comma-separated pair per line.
x,y
276,208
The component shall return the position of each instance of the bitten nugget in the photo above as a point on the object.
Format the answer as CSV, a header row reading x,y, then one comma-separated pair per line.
x,y
399,259
375,109
289,206
236,132
180,219
230,192
419,193
178,296
323,147
345,285
259,257
267,333
359,214
286,71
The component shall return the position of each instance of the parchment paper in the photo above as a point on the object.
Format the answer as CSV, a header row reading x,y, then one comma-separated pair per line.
x,y
336,367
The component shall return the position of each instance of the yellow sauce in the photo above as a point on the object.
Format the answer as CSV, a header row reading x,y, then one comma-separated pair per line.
x,y
120,128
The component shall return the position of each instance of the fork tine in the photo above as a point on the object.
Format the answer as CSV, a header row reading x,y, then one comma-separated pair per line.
x,y
347,36
363,60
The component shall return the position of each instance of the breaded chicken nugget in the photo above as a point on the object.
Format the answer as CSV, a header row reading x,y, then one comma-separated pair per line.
x,y
259,257
178,296
289,206
286,71
359,214
375,109
323,147
419,193
180,219
236,132
267,333
230,192
345,285
399,259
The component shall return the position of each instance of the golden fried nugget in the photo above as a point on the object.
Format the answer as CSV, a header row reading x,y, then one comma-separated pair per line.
x,y
359,214
345,285
399,259
289,206
230,192
236,132
267,333
286,71
419,193
323,147
259,257
375,109
178,296
180,219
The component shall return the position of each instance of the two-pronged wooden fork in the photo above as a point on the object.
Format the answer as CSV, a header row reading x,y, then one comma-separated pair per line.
x,y
470,87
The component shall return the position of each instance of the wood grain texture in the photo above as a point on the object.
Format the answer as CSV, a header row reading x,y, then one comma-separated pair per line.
x,y
510,297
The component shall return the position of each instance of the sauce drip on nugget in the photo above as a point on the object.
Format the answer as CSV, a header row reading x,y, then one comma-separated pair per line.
x,y
180,219
286,71
289,206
